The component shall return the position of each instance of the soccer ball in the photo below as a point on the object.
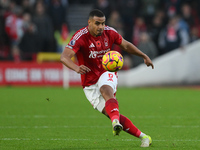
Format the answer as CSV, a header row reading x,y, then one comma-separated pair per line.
x,y
112,61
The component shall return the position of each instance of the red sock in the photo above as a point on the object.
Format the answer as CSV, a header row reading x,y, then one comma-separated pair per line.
x,y
129,127
112,109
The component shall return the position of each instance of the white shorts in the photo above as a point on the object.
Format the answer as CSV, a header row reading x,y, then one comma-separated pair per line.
x,y
93,93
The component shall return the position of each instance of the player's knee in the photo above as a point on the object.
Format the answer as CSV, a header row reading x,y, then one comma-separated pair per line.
x,y
107,92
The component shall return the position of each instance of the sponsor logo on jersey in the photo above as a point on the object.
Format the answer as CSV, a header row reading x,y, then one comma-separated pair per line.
x,y
95,54
91,45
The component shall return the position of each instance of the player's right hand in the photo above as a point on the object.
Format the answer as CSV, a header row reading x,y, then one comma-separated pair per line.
x,y
148,62
83,69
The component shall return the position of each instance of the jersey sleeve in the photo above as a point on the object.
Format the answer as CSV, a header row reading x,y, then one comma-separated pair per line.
x,y
74,44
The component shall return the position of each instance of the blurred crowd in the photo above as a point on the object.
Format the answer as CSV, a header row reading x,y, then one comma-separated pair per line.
x,y
28,27
154,26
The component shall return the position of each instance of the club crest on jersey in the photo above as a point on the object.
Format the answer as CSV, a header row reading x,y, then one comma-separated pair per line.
x,y
106,42
72,42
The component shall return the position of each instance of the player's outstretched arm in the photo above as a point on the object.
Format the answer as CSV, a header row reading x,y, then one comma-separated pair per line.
x,y
65,58
130,48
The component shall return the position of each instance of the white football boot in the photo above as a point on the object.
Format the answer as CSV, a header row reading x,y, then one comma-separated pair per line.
x,y
146,141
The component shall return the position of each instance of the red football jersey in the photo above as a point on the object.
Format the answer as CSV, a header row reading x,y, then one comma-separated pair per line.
x,y
90,50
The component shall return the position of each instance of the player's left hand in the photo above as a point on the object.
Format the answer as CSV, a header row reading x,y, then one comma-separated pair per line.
x,y
83,69
148,62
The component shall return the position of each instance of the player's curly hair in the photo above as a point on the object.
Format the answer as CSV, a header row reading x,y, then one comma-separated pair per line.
x,y
96,12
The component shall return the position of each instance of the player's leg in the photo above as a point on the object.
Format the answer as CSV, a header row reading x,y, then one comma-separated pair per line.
x,y
111,105
107,84
112,108
96,99
130,128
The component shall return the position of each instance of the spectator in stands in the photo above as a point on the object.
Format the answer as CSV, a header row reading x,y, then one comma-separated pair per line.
x,y
104,6
14,30
162,15
194,34
27,6
4,39
44,28
129,10
29,42
149,9
154,30
115,21
189,16
172,36
138,28
57,13
172,7
121,14
147,46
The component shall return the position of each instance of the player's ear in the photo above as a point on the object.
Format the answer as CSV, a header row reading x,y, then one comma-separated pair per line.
x,y
89,21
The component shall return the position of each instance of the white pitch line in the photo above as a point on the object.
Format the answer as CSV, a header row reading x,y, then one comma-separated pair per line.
x,y
47,127
60,139
44,116
92,116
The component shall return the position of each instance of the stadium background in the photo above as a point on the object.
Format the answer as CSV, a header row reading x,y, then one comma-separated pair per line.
x,y
36,31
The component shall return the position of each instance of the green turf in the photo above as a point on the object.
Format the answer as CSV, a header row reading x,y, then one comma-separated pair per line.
x,y
28,121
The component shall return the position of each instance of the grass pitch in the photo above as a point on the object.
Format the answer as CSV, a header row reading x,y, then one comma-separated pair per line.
x,y
60,119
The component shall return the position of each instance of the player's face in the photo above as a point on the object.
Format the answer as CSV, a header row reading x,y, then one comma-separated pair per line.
x,y
96,25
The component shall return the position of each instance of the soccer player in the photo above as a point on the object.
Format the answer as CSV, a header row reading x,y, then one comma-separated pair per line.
x,y
90,44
